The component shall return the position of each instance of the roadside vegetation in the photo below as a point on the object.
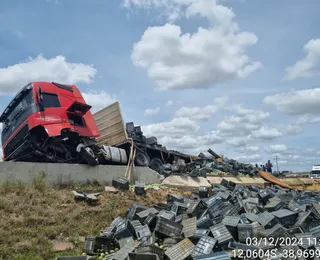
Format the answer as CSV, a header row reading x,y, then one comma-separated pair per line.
x,y
33,216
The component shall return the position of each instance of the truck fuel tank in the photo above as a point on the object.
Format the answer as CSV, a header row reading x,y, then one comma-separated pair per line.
x,y
114,154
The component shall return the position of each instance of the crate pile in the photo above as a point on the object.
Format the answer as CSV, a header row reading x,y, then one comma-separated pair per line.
x,y
219,223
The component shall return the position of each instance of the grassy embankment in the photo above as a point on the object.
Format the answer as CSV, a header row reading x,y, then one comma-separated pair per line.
x,y
33,216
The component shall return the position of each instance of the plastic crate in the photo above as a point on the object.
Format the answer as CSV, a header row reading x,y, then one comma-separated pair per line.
x,y
200,233
225,195
166,214
174,197
139,188
162,206
121,183
134,209
189,227
150,250
151,221
204,246
92,244
117,221
178,208
286,217
122,254
212,201
143,232
203,192
267,220
123,241
108,232
274,204
170,242
221,233
193,208
142,215
244,231
315,208
168,228
251,217
231,222
180,251
204,222
125,230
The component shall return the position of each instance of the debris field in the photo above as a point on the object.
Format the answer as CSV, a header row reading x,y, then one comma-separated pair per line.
x,y
228,221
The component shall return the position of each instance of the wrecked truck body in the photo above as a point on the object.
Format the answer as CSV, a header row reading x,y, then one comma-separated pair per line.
x,y
49,122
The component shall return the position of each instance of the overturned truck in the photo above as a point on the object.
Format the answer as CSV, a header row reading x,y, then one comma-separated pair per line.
x,y
51,122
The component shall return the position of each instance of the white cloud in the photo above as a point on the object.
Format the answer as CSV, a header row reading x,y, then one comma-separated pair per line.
x,y
253,158
98,100
297,102
202,113
175,128
306,119
176,60
306,66
278,148
151,111
266,133
243,122
58,69
169,103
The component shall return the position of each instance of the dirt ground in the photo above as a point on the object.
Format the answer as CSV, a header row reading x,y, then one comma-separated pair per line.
x,y
33,217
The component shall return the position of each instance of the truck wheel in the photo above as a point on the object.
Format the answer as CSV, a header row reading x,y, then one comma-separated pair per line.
x,y
155,164
142,159
88,155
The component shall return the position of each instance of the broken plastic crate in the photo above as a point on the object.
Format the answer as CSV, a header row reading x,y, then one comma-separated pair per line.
x,y
180,251
142,215
137,256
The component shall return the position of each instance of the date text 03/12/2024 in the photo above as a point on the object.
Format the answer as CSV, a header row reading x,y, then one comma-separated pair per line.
x,y
281,241
275,252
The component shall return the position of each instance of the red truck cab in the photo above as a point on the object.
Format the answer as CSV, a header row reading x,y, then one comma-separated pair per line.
x,y
47,121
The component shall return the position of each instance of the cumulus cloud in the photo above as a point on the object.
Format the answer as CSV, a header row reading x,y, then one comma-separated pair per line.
x,y
151,111
242,122
306,66
298,102
177,127
98,100
202,113
177,60
58,69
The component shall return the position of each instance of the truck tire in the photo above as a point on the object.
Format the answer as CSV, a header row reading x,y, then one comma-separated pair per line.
x,y
155,164
142,159
88,155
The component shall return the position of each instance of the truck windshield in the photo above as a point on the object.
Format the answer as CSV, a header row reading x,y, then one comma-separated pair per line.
x,y
17,113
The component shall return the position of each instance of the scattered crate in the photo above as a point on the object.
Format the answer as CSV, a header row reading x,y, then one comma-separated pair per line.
x,y
180,251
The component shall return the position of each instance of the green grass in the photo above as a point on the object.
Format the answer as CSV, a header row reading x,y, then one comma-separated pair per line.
x,y
32,216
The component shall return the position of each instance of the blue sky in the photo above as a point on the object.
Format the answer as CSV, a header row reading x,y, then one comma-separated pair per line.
x,y
244,84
